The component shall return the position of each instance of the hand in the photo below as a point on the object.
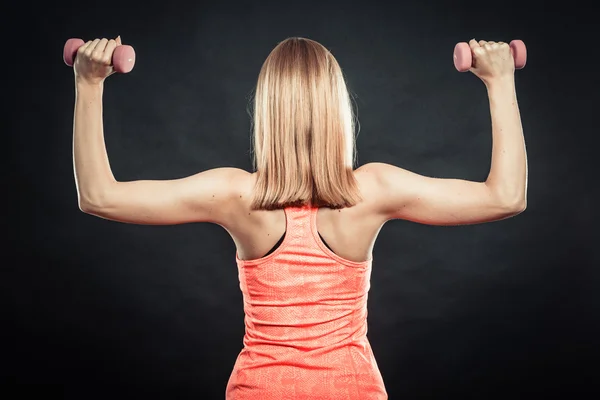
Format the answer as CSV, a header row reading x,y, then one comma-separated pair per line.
x,y
93,63
491,60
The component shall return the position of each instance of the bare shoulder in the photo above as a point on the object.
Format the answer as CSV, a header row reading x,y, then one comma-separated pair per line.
x,y
378,178
235,179
237,186
223,184
373,179
224,196
387,188
373,173
234,185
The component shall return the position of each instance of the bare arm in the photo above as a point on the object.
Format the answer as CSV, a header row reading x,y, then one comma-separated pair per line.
x,y
406,195
205,197
508,172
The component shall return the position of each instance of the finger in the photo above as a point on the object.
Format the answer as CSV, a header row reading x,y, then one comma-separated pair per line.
x,y
118,40
478,52
98,53
84,47
99,49
473,44
493,45
482,43
91,47
108,51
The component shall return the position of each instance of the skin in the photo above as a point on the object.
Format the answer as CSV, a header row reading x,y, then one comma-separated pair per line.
x,y
222,196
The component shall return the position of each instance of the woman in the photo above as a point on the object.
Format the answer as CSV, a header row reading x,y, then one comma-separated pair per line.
x,y
304,224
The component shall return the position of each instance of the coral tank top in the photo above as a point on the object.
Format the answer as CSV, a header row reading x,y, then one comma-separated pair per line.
x,y
305,322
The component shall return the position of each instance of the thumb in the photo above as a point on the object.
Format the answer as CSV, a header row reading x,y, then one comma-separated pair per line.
x,y
118,40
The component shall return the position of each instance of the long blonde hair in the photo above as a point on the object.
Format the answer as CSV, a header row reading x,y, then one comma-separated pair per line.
x,y
304,143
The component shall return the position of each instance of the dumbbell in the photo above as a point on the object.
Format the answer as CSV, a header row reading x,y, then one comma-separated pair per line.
x,y
123,57
463,59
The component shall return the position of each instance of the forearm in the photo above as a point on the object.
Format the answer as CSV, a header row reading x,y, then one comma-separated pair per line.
x,y
508,172
90,161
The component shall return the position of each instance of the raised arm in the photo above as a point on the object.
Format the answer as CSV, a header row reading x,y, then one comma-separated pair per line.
x,y
209,196
406,195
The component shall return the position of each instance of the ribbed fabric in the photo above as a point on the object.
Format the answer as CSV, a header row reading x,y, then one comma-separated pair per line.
x,y
306,322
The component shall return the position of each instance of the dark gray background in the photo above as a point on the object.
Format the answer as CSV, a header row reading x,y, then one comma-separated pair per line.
x,y
487,311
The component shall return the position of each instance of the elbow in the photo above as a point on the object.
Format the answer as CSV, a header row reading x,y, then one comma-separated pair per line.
x,y
510,204
86,207
89,207
93,203
516,206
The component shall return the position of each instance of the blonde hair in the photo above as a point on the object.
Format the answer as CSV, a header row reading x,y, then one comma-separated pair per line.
x,y
304,143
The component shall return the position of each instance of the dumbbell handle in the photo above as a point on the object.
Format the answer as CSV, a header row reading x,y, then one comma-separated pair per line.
x,y
463,58
123,58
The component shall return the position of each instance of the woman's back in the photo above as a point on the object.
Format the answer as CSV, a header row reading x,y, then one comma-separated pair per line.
x,y
349,232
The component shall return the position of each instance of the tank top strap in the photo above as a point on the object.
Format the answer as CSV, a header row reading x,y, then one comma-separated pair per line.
x,y
301,223
302,235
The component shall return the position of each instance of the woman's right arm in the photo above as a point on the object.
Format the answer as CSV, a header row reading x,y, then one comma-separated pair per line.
x,y
402,194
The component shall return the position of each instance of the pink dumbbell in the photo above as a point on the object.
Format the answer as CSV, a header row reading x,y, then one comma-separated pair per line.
x,y
123,57
463,59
